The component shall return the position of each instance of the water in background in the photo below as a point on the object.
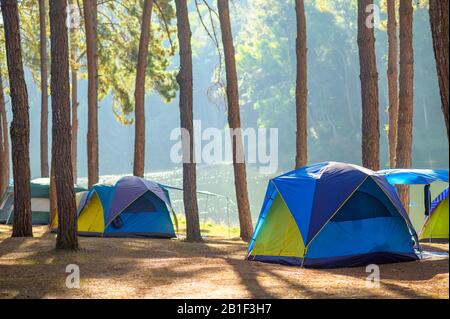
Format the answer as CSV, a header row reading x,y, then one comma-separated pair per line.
x,y
217,179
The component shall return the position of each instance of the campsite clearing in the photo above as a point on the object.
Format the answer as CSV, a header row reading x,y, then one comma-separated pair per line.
x,y
163,268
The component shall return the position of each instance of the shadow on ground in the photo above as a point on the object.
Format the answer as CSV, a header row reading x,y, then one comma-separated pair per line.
x,y
158,268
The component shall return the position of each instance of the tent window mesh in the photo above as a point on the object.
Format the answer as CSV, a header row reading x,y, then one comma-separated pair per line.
x,y
361,206
144,204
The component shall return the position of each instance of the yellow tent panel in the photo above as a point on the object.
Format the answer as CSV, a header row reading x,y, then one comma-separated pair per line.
x,y
92,218
78,197
437,225
279,234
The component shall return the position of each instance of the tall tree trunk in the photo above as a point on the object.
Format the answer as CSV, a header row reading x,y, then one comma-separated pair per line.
x,y
392,77
74,71
20,126
4,142
405,111
139,91
439,11
74,124
53,196
61,130
44,90
3,161
234,122
184,80
301,93
90,17
369,90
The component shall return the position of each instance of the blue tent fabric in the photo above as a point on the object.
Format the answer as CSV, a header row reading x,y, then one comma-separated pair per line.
x,y
377,258
291,181
368,201
343,212
358,260
414,176
336,184
354,237
300,204
391,193
104,192
367,223
315,181
144,209
323,180
147,216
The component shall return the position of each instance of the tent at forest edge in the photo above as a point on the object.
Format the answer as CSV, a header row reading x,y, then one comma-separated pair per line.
x,y
331,215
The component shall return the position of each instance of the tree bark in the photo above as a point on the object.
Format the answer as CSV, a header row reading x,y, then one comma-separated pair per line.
x,y
74,71
369,90
90,8
44,90
74,124
234,121
301,95
20,126
4,142
439,11
61,129
392,77
405,114
184,79
53,196
139,93
3,161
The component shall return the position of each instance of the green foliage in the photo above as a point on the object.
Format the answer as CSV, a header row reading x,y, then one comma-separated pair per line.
x,y
3,70
264,33
267,64
30,36
266,61
118,34
3,64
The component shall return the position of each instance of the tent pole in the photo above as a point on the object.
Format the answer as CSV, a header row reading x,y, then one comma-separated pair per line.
x,y
206,210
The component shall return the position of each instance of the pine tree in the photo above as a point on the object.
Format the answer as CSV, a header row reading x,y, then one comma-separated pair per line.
x,y
369,90
234,121
184,79
20,126
405,110
61,129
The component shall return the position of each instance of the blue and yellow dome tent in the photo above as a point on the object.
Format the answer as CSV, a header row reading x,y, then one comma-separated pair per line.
x,y
332,215
435,228
133,207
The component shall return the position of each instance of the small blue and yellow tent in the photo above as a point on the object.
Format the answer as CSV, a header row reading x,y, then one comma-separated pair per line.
x,y
332,215
133,207
435,228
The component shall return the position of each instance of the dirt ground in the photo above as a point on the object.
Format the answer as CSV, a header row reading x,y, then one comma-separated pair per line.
x,y
157,268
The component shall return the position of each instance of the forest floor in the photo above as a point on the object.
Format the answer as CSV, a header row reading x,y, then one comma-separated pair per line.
x,y
158,268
